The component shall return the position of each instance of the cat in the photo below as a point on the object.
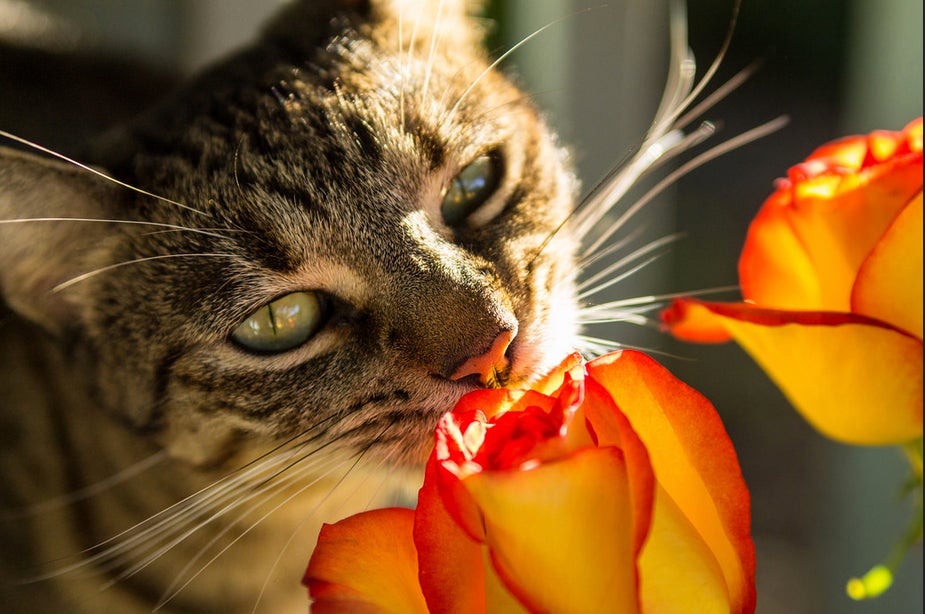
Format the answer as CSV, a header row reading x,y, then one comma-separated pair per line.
x,y
344,228
271,283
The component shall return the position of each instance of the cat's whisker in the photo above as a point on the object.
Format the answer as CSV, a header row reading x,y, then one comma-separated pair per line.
x,y
653,298
723,148
218,495
595,346
170,227
88,491
174,589
668,115
434,39
401,67
618,278
88,275
504,56
318,471
311,514
197,504
714,97
98,173
587,288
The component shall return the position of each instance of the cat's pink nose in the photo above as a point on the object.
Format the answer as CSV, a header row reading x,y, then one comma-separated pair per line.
x,y
491,366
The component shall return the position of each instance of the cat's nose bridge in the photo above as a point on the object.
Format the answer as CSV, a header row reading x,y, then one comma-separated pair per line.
x,y
454,324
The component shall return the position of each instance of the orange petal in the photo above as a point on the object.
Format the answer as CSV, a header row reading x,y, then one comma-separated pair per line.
x,y
855,379
612,428
695,325
805,247
451,562
693,459
775,267
677,568
889,284
561,534
366,563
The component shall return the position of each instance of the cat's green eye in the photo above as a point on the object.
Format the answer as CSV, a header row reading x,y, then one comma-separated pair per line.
x,y
470,189
281,325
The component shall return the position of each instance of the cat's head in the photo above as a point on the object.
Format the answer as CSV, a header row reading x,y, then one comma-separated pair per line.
x,y
356,224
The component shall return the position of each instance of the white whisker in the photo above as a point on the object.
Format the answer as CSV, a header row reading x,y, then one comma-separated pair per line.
x,y
721,149
716,96
613,267
434,38
172,227
89,491
504,56
401,68
96,172
655,298
311,514
175,589
80,278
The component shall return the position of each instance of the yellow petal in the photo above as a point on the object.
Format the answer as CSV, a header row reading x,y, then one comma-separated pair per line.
x,y
889,284
693,459
855,379
677,569
561,534
804,249
366,563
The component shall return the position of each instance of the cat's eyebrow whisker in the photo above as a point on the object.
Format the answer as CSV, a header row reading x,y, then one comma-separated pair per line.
x,y
434,39
723,148
90,169
170,227
619,181
75,280
505,55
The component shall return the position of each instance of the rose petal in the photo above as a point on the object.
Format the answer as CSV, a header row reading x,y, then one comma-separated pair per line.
x,y
612,428
855,379
451,562
805,247
677,568
366,563
889,284
693,459
561,534
698,325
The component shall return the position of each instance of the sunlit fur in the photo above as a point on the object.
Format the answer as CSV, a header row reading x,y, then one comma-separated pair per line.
x,y
150,462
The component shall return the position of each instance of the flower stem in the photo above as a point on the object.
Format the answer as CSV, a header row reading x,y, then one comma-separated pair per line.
x,y
880,577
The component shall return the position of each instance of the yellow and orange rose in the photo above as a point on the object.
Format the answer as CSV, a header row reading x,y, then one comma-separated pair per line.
x,y
831,275
611,485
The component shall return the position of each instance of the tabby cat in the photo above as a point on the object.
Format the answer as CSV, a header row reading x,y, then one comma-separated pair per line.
x,y
271,283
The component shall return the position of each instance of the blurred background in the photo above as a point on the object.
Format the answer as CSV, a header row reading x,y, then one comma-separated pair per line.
x,y
822,511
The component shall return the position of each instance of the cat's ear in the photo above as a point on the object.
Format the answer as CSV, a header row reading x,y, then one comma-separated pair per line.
x,y
38,254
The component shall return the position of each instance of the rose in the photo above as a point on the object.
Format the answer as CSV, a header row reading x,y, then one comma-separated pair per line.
x,y
831,274
619,489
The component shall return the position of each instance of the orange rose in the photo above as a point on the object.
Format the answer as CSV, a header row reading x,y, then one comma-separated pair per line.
x,y
831,274
619,491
